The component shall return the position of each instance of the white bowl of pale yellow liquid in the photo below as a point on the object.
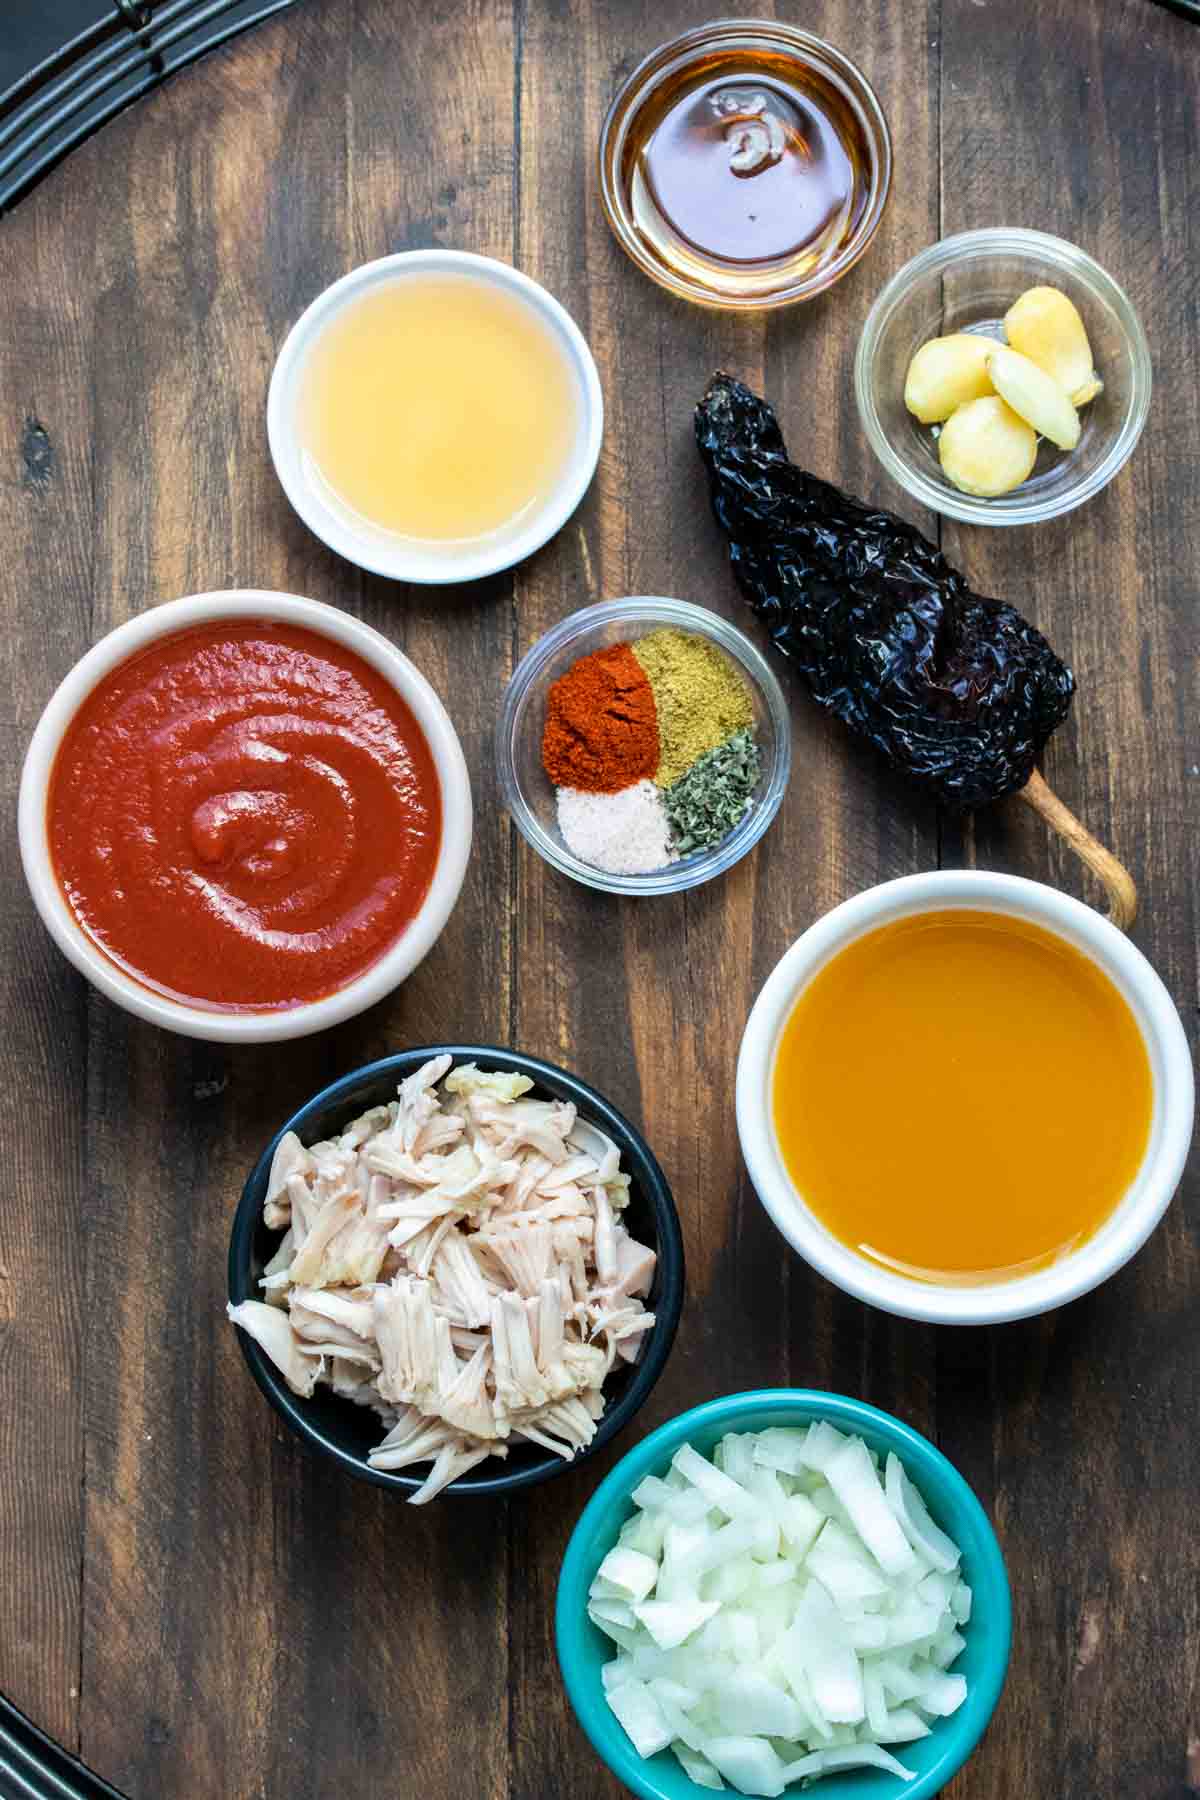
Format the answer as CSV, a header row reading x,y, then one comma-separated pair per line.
x,y
435,416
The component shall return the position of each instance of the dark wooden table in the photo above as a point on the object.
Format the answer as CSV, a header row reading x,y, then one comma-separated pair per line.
x,y
186,1597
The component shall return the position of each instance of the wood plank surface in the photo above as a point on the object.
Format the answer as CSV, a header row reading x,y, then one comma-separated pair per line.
x,y
187,1597
1069,1424
46,418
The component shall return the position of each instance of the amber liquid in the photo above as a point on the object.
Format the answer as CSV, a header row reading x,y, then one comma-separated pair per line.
x,y
746,173
438,408
962,1097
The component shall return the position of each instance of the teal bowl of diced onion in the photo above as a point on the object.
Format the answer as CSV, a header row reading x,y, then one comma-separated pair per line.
x,y
584,1650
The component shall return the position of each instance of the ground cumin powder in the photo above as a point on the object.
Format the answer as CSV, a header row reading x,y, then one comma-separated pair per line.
x,y
701,697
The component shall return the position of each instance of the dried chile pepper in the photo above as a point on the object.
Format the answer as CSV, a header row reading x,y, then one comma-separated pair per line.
x,y
959,692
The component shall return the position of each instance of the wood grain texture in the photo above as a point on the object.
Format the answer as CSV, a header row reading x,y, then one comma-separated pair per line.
x,y
667,1032
186,1595
46,479
1074,1422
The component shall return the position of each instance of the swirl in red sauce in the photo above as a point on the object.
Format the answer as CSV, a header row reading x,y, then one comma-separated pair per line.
x,y
244,815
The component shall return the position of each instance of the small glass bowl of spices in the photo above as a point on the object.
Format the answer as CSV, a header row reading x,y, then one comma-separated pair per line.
x,y
643,746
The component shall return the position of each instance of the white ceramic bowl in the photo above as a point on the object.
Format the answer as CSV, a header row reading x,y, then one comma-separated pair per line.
x,y
1170,1127
211,1023
405,559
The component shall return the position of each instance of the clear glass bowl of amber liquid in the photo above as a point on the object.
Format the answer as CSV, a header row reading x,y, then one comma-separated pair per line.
x,y
745,165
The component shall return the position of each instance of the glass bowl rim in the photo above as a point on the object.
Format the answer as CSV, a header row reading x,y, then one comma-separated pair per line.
x,y
1070,260
817,52
649,609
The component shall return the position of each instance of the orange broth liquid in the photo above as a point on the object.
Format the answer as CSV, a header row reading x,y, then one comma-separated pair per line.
x,y
961,1096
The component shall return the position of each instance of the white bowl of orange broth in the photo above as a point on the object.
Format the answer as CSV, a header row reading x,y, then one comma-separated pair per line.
x,y
435,416
964,1097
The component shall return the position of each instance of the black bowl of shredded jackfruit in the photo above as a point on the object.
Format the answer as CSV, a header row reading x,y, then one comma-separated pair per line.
x,y
348,1433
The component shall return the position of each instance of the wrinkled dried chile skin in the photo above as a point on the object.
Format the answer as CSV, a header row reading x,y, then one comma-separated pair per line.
x,y
959,692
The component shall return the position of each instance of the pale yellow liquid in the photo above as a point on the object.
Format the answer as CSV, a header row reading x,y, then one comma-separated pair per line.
x,y
438,407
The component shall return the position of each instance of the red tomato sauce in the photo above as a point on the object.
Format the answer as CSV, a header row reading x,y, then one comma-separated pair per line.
x,y
244,815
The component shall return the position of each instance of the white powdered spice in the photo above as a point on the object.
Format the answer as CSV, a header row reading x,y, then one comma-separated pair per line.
x,y
625,833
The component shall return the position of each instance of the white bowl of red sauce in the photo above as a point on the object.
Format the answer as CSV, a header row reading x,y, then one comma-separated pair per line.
x,y
245,816
965,1097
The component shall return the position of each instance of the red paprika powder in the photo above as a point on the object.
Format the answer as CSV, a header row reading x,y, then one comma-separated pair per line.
x,y
601,724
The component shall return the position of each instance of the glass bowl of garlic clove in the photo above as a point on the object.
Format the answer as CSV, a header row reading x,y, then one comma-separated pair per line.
x,y
967,286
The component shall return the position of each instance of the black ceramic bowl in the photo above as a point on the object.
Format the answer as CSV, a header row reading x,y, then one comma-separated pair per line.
x,y
346,1432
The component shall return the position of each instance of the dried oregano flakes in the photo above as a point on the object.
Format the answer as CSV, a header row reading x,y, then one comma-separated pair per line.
x,y
705,804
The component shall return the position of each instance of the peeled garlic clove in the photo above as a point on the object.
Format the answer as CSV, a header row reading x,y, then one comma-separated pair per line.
x,y
1046,327
986,449
1035,395
945,373
1091,387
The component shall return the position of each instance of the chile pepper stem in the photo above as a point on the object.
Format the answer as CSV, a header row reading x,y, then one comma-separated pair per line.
x,y
1118,882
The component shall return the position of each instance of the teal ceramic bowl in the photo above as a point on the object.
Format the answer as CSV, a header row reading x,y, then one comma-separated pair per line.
x,y
582,1650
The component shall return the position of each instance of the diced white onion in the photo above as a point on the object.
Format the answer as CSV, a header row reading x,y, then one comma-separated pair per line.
x,y
727,1543
857,1756
747,1763
674,1693
781,1447
743,1636
641,1717
821,1645
751,1703
717,1488
942,1694
781,1612
676,1502
645,1532
611,1612
850,1581
868,1633
669,1622
730,1581
820,1443
903,1726
912,1623
772,1575
629,1574
851,1475
735,1457
914,1519
897,1678
946,1647
686,1732
682,1547
877,1711
697,1768
801,1523
615,1672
